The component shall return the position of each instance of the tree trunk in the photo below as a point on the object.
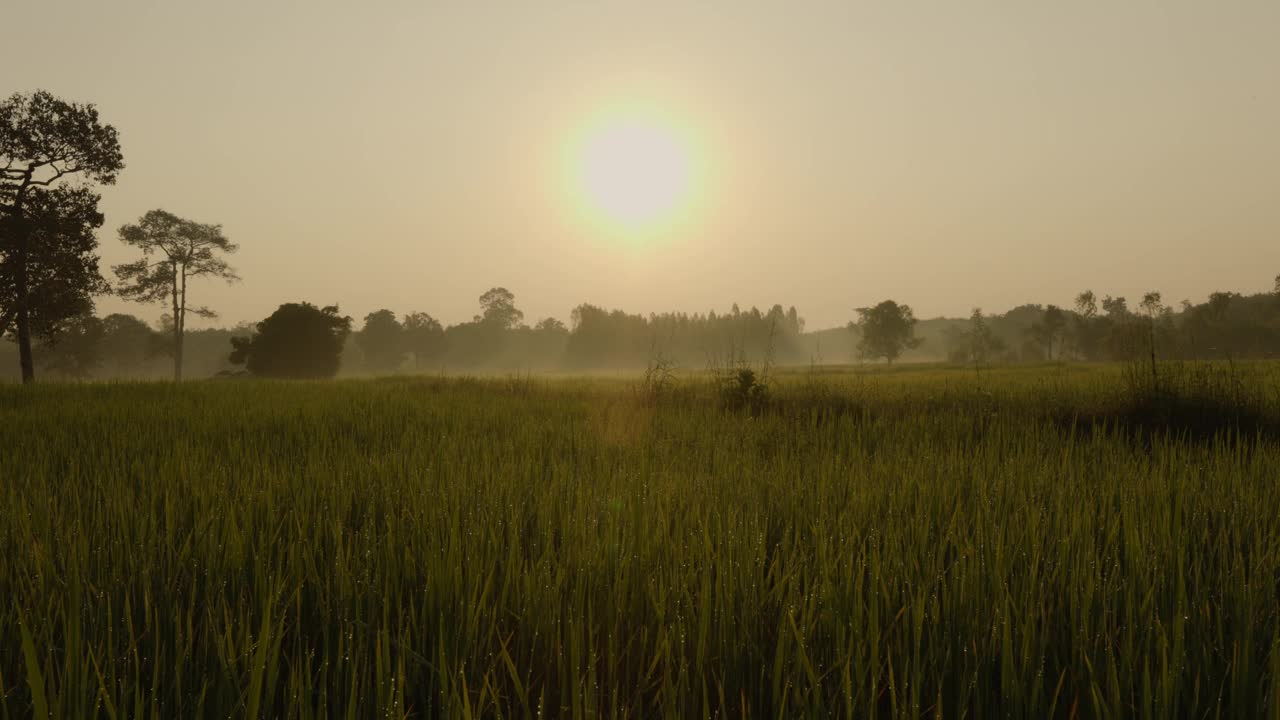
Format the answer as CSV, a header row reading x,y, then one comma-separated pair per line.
x,y
177,329
22,291
1154,376
177,353
24,338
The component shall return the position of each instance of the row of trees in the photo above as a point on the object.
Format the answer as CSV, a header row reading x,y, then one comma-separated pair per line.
x,y
123,346
49,272
1228,325
302,340
305,340
498,338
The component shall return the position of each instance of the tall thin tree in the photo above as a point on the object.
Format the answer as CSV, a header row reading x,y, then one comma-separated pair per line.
x,y
1153,307
174,251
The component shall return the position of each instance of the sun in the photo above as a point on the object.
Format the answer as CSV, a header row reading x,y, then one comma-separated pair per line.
x,y
635,169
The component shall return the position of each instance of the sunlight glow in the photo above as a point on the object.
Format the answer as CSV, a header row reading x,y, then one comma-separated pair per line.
x,y
635,169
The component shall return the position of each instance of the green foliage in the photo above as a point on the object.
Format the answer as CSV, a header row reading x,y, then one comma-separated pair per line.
x,y
1228,326
907,544
423,338
48,271
77,351
886,330
1049,329
498,308
298,340
603,338
174,251
52,252
43,137
743,388
977,344
382,340
128,345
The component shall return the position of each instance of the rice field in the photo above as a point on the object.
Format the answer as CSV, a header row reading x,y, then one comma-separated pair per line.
x,y
1031,542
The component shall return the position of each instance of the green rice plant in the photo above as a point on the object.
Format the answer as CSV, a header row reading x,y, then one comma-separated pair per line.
x,y
891,544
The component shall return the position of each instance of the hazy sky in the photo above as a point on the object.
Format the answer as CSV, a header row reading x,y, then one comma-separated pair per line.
x,y
411,155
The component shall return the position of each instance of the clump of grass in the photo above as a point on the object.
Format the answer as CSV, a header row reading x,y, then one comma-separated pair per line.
x,y
911,545
658,379
1197,400
743,389
740,385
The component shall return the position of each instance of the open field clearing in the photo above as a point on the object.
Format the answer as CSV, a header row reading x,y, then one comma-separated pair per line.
x,y
1040,542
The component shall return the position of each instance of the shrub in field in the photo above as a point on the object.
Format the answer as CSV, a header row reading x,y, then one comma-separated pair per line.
x,y
1196,400
738,384
299,340
658,378
742,388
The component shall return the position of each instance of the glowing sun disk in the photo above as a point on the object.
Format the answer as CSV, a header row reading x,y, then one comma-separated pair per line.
x,y
634,170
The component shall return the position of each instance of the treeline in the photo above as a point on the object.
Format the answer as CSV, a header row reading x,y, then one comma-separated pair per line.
x,y
1228,325
497,339
122,346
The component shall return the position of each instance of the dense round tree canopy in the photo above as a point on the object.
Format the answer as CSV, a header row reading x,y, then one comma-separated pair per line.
x,y
299,340
382,340
887,329
423,337
59,262
44,138
499,306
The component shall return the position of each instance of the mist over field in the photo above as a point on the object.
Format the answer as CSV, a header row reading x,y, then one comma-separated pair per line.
x,y
1228,325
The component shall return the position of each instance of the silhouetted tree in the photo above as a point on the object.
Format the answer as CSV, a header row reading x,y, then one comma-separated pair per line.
x,y
550,325
42,140
1049,329
1152,307
298,340
1219,302
58,268
1087,305
977,344
423,337
382,341
498,307
608,338
887,329
1087,330
174,250
1115,308
128,343
77,351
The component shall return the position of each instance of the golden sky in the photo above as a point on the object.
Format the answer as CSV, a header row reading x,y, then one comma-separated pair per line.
x,y
411,155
